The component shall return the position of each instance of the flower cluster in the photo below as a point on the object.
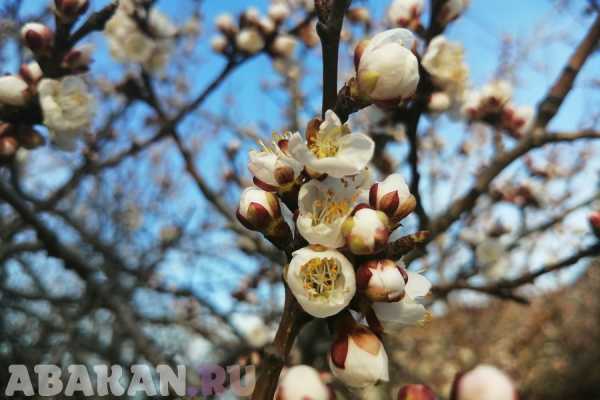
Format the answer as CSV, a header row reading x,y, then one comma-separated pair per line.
x,y
493,104
254,32
136,34
342,224
53,81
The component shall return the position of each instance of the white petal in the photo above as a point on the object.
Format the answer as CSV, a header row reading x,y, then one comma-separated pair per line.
x,y
396,315
417,285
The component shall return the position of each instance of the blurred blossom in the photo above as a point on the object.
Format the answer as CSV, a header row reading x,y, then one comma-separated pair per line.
x,y
249,40
302,382
485,382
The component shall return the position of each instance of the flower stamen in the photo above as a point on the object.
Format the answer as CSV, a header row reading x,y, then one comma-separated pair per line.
x,y
320,276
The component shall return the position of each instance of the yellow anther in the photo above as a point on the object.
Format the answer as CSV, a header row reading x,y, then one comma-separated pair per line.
x,y
319,277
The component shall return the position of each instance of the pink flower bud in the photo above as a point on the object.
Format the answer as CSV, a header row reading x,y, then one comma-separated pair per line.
x,y
37,37
79,59
69,10
451,9
358,358
14,91
382,280
366,232
258,209
416,392
485,382
393,197
359,14
405,13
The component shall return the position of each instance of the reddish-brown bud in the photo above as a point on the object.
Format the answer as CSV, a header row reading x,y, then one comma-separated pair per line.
x,y
416,392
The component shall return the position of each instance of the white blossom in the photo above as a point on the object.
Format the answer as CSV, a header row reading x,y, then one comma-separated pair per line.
x,y
484,382
302,382
273,166
386,68
68,108
492,258
324,207
332,149
128,43
322,280
225,23
358,358
407,311
14,91
444,61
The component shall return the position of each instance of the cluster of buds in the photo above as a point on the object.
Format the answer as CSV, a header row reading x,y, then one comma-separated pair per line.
x,y
39,38
253,33
493,105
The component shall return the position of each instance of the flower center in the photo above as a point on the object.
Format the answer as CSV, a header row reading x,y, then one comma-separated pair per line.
x,y
319,277
329,209
325,144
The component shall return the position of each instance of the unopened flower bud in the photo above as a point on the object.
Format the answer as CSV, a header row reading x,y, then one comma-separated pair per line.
x,y
358,358
439,102
13,91
279,12
386,68
267,26
485,382
8,146
366,232
359,15
393,197
301,383
416,392
38,37
260,211
451,9
382,280
219,44
250,41
258,208
405,13
284,45
31,72
252,15
69,10
594,220
226,24
79,59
